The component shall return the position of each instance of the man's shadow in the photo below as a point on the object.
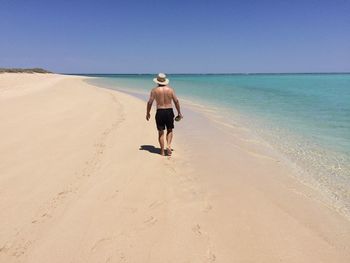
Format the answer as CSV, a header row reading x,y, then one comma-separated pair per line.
x,y
150,148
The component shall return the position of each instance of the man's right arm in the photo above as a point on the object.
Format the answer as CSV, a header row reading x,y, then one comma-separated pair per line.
x,y
177,104
149,105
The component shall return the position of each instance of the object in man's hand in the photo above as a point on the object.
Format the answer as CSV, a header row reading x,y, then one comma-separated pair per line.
x,y
178,118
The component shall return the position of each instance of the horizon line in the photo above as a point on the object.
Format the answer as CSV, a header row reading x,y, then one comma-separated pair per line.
x,y
225,73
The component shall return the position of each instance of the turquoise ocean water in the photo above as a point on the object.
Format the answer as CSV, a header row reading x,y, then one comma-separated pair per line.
x,y
306,117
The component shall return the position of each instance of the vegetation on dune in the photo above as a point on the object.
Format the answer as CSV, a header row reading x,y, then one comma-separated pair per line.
x,y
23,70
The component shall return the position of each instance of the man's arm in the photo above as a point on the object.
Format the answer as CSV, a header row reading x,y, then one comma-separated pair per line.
x,y
149,104
177,104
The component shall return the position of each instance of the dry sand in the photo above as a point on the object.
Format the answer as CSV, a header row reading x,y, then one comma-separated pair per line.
x,y
80,182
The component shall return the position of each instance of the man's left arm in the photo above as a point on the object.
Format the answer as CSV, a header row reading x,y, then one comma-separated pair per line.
x,y
149,105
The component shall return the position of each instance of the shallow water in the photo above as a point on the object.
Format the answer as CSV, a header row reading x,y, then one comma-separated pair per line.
x,y
306,117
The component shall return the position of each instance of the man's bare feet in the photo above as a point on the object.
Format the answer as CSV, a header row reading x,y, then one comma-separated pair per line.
x,y
168,151
162,153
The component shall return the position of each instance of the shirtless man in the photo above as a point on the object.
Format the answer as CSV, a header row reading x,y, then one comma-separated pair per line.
x,y
164,95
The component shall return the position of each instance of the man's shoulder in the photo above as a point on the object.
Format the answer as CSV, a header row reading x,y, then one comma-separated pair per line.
x,y
161,88
170,88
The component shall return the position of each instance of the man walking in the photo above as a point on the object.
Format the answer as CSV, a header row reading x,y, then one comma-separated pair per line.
x,y
164,95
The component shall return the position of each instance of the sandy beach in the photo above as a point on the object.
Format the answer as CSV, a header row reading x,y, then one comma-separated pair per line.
x,y
81,181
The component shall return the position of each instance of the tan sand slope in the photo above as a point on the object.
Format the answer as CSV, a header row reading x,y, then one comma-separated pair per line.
x,y
80,182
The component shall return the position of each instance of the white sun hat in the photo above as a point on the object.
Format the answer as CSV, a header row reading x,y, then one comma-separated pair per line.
x,y
161,79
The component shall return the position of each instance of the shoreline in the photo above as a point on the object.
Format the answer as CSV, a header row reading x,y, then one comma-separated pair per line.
x,y
82,183
301,173
285,171
300,170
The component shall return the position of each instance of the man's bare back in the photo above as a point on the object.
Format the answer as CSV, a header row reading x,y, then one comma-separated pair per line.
x,y
164,95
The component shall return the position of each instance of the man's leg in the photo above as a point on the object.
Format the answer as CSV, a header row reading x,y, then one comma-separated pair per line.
x,y
169,137
161,141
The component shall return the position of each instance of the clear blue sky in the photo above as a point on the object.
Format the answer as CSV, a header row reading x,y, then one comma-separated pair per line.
x,y
176,36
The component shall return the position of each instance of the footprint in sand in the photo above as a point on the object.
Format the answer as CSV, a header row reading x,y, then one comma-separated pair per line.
x,y
207,208
100,242
112,196
64,193
150,221
197,229
210,256
155,204
3,249
21,249
45,215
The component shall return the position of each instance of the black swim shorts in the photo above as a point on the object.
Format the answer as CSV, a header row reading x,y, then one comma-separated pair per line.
x,y
165,118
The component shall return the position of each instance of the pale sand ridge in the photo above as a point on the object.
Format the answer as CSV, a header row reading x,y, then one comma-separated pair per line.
x,y
75,187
